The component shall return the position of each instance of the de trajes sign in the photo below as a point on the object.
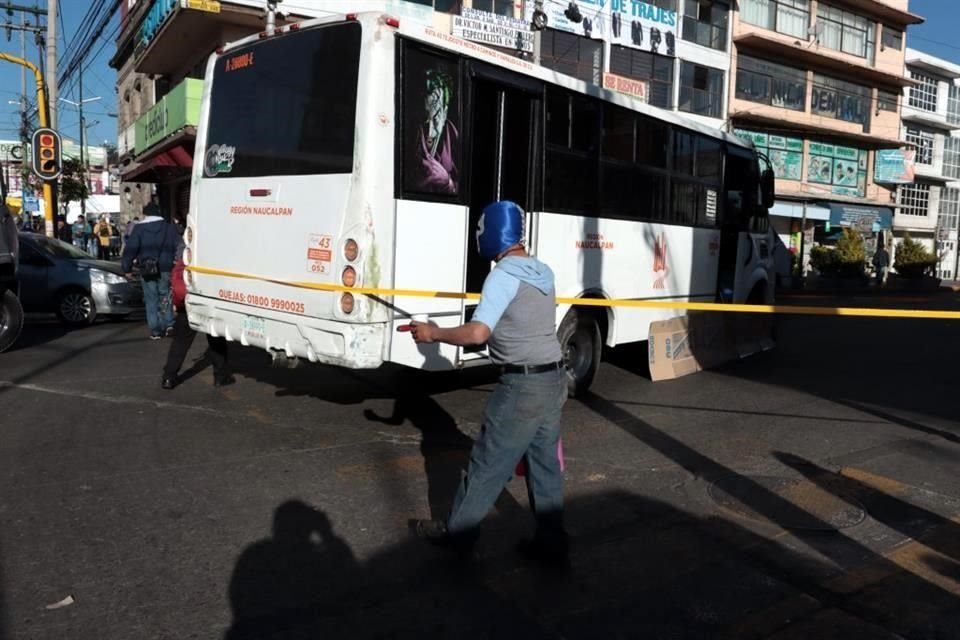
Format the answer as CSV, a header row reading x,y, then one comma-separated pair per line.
x,y
494,30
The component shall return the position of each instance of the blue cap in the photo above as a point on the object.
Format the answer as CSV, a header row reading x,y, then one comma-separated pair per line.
x,y
499,228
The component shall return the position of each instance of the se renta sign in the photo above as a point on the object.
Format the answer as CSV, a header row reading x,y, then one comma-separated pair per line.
x,y
492,29
631,23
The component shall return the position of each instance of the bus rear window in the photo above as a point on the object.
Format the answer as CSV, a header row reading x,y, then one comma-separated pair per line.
x,y
285,105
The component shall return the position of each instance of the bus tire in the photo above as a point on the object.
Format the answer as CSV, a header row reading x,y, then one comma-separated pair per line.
x,y
11,319
581,346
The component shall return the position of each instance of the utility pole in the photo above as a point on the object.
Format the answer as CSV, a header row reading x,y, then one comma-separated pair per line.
x,y
52,62
83,175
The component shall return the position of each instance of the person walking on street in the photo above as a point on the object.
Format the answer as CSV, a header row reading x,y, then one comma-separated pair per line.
x,y
153,244
81,231
516,318
64,231
881,262
102,232
183,336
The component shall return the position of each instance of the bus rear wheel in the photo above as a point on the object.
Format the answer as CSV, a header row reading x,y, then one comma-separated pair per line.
x,y
581,345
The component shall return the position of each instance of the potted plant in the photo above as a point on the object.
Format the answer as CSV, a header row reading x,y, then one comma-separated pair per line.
x,y
914,265
842,266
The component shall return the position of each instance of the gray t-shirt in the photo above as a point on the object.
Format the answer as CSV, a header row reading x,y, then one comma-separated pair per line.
x,y
518,304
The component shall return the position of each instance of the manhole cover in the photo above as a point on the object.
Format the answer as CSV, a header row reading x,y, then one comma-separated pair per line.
x,y
787,502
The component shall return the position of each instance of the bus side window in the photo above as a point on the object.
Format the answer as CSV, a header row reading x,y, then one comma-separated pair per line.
x,y
570,167
739,188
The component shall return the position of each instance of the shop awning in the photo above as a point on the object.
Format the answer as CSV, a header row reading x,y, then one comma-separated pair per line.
x,y
795,210
173,162
861,217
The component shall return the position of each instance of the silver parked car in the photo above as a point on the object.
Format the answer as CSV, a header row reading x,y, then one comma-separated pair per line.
x,y
59,277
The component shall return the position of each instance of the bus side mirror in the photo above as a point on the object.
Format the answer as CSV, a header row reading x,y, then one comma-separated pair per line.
x,y
767,188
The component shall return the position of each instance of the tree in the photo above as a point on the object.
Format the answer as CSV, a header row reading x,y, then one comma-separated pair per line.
x,y
913,260
73,187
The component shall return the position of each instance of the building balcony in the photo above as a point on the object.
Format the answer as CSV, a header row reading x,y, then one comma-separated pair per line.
x,y
163,137
173,35
799,52
814,125
889,11
930,119
932,172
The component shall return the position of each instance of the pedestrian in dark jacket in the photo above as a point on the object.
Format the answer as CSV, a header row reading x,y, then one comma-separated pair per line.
x,y
183,335
153,244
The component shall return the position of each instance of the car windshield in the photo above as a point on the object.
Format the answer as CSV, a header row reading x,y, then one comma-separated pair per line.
x,y
58,249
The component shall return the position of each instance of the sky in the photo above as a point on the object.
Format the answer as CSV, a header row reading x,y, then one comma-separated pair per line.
x,y
98,79
937,36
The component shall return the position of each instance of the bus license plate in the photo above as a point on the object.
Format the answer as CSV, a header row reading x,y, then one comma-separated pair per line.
x,y
253,327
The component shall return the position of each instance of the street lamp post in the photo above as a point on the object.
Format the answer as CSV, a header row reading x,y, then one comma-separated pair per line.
x,y
83,171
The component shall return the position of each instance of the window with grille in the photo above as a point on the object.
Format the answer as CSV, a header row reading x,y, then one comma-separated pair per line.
x,y
701,90
923,95
915,200
641,65
953,104
705,23
949,209
572,54
951,157
847,32
924,141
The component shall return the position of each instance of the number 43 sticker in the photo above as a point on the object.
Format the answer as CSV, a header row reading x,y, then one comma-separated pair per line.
x,y
319,253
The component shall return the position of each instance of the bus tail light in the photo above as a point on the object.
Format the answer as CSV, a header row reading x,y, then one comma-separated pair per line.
x,y
295,26
187,256
349,277
351,16
188,235
188,277
264,34
346,303
351,250
392,22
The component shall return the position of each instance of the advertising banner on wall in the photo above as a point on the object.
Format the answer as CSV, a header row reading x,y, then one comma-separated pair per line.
x,y
629,86
843,168
894,166
631,23
494,30
786,154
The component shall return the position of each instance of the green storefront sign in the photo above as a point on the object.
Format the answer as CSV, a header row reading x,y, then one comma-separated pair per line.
x,y
178,109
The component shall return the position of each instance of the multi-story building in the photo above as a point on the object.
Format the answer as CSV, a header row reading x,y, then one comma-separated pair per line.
x,y
675,53
931,124
817,84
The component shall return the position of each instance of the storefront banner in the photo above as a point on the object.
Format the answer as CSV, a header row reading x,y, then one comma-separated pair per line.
x,y
636,88
494,30
631,23
786,154
894,166
865,219
843,168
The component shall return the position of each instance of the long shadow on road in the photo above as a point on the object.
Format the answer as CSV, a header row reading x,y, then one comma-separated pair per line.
x,y
640,568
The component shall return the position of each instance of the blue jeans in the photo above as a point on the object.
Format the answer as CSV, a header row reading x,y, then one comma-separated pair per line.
x,y
156,300
522,418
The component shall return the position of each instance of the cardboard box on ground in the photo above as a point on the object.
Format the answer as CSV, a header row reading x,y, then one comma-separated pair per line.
x,y
703,340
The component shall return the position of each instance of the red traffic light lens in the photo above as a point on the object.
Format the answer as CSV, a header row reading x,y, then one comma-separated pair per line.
x,y
46,140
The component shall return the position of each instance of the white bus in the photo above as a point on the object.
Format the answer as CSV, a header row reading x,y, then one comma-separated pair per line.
x,y
359,151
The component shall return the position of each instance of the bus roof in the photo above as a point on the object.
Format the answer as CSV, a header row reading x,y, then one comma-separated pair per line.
x,y
449,42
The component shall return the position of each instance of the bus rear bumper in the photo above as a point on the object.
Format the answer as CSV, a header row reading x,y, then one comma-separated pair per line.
x,y
354,346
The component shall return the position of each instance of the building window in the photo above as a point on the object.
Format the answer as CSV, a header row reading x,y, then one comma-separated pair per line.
x,y
887,100
915,200
641,65
841,100
953,104
949,209
923,95
769,83
444,6
791,17
500,7
701,90
951,157
571,54
924,142
705,23
891,38
846,32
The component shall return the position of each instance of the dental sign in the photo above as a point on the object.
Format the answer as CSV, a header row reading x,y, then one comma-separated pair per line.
x,y
630,23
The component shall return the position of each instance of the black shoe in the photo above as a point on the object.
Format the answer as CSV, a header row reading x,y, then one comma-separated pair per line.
x,y
168,383
223,381
169,332
436,532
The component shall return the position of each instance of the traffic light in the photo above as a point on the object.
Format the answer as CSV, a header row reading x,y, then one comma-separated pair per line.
x,y
47,159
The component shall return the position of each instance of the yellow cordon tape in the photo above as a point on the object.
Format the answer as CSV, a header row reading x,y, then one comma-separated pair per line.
x,y
600,302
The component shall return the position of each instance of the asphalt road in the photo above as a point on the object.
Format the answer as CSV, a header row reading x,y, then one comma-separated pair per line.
x,y
810,491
